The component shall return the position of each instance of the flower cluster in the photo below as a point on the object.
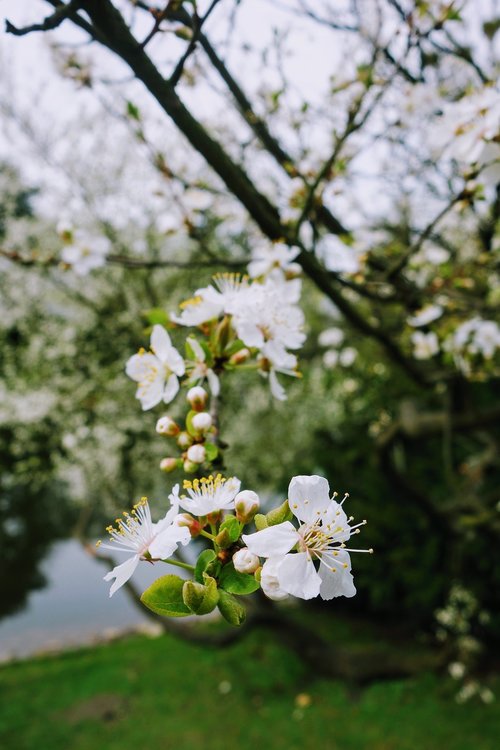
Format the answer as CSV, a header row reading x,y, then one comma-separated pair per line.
x,y
307,559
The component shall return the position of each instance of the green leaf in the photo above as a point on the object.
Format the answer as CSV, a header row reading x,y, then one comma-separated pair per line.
x,y
234,347
233,527
204,561
211,451
231,609
237,583
157,315
133,111
164,597
201,598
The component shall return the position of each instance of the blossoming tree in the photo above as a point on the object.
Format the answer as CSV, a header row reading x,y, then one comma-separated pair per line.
x,y
329,173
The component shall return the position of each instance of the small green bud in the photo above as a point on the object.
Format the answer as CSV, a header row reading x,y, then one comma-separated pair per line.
x,y
190,467
231,609
279,515
223,539
260,522
184,440
168,464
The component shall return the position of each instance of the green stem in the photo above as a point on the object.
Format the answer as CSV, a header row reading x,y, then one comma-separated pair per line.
x,y
180,564
207,535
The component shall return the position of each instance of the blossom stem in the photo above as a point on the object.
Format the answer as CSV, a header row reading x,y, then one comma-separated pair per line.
x,y
207,535
179,564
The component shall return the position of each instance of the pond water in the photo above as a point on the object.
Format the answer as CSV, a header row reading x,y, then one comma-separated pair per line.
x,y
74,607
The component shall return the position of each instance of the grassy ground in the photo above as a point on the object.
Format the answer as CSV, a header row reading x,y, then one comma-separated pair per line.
x,y
164,694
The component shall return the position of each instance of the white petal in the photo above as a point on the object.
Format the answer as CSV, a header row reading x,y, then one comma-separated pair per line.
x,y
175,362
171,389
275,540
308,497
150,392
122,573
297,575
277,389
167,541
213,382
160,342
340,582
198,350
139,366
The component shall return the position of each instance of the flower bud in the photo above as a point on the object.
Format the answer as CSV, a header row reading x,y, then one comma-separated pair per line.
x,y
196,454
245,561
168,464
201,599
166,426
190,467
202,421
184,440
197,398
247,504
269,581
240,357
186,519
279,515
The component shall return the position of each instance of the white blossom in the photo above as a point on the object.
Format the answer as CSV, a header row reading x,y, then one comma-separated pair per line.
x,y
86,253
426,315
324,529
425,345
209,494
270,257
331,337
198,370
336,255
136,533
156,371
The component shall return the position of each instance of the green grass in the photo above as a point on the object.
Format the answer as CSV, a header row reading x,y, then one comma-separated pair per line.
x,y
165,694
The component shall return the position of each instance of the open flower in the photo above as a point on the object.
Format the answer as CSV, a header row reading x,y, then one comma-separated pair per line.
x,y
156,371
212,301
209,494
198,369
137,534
320,538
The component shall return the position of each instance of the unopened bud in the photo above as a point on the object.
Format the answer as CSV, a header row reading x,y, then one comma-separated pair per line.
x,y
246,504
245,561
168,464
197,398
184,440
166,426
239,357
190,467
269,581
223,539
189,521
202,421
279,515
196,454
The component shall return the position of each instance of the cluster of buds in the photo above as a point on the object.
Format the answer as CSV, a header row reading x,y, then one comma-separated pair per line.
x,y
195,441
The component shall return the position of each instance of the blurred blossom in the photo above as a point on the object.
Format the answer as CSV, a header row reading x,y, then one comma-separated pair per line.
x,y
425,316
426,345
331,337
336,255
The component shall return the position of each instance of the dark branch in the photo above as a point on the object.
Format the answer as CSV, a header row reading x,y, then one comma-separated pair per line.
x,y
62,12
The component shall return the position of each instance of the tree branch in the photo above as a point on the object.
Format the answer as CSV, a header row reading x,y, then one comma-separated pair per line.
x,y
62,12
